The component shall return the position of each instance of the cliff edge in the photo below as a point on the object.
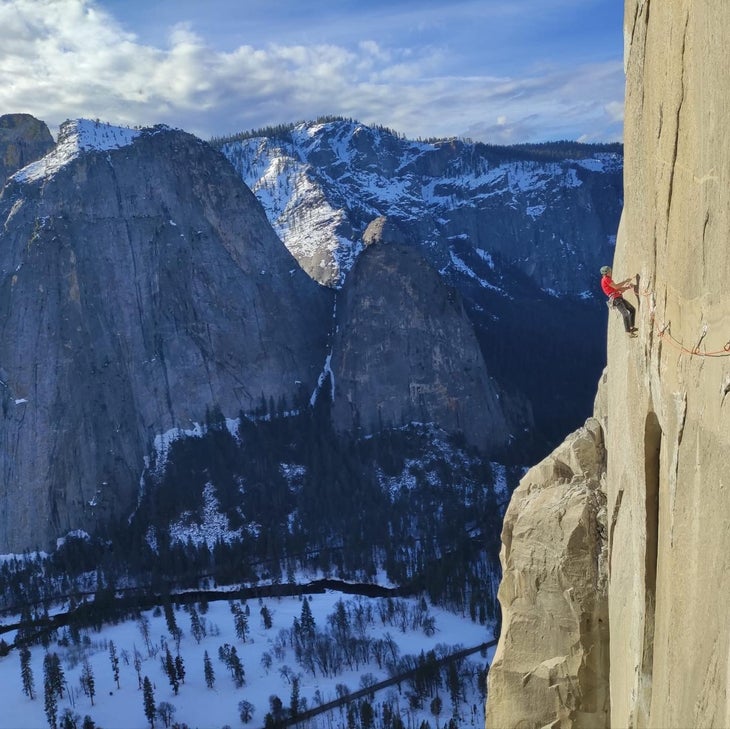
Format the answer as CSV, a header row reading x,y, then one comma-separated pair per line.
x,y
665,410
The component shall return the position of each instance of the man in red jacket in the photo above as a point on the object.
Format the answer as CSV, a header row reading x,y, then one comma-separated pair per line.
x,y
614,292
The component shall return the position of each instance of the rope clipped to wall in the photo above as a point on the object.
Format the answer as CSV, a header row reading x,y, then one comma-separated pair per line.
x,y
665,334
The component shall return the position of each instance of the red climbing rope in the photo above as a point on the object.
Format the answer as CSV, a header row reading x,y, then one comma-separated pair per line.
x,y
665,334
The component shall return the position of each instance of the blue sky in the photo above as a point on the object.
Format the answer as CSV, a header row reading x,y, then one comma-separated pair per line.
x,y
499,71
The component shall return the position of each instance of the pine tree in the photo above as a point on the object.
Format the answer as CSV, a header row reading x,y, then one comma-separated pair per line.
x,y
114,661
69,719
367,715
453,681
26,673
241,624
306,620
170,618
171,671
351,716
148,699
266,617
180,668
277,707
340,622
87,680
208,671
50,703
436,706
57,674
239,676
294,700
197,628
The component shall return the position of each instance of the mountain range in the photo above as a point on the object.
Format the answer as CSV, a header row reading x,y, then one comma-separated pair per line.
x,y
518,232
143,287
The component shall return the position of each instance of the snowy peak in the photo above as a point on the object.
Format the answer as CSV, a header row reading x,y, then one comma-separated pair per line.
x,y
76,136
534,206
88,135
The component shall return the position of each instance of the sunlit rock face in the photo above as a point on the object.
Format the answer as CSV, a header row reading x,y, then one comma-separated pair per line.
x,y
141,285
668,410
664,402
551,663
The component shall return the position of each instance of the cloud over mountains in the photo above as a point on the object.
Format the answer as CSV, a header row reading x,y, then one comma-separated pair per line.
x,y
418,71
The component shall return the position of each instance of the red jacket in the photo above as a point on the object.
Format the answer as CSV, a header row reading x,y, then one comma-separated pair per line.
x,y
608,287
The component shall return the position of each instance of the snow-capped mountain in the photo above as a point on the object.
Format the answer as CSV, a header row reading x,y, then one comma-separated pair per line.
x,y
548,211
77,136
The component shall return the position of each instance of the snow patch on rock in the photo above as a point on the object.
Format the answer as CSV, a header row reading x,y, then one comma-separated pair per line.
x,y
79,135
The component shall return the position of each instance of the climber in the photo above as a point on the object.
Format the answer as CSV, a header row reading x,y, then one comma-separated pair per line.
x,y
614,292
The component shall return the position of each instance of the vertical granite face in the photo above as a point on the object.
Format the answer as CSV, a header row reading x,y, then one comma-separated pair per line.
x,y
664,403
551,664
140,287
668,410
404,349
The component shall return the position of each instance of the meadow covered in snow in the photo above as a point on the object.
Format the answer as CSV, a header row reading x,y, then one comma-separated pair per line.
x,y
377,637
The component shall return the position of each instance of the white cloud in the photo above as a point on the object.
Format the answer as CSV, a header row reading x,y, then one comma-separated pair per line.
x,y
70,58
583,103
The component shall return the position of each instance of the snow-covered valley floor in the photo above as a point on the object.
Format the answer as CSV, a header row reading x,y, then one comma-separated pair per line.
x,y
198,706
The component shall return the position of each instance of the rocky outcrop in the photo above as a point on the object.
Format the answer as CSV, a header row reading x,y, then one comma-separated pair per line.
x,y
23,139
405,351
140,286
666,410
551,664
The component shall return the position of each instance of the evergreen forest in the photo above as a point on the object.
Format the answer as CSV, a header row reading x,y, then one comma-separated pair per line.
x,y
274,502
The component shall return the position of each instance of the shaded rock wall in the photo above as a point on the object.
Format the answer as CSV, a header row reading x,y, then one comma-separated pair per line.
x,y
139,287
518,231
23,139
404,349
